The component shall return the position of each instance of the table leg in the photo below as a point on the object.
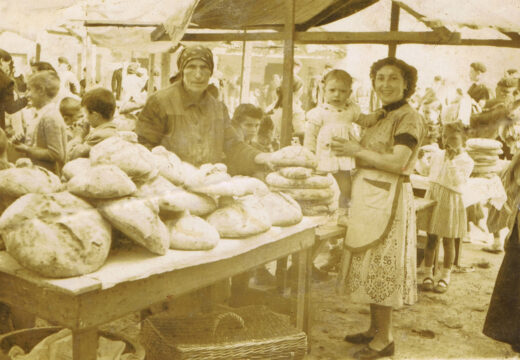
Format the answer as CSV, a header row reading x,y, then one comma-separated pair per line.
x,y
84,344
307,315
281,275
301,288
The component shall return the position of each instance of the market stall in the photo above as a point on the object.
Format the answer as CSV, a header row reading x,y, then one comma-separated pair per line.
x,y
131,280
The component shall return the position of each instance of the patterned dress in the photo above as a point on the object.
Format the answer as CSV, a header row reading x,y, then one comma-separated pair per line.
x,y
385,273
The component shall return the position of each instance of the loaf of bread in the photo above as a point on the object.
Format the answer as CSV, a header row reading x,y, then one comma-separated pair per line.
x,y
192,233
26,179
307,194
139,220
312,182
294,155
101,182
295,172
282,209
56,235
169,165
75,167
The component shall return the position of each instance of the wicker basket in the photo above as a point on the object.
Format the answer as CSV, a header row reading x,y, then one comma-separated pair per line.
x,y
252,332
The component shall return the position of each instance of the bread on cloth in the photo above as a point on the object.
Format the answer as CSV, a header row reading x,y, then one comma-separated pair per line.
x,y
482,143
312,182
28,178
169,165
283,210
139,220
307,194
242,218
75,167
192,233
295,172
134,159
56,235
102,182
294,155
235,186
173,198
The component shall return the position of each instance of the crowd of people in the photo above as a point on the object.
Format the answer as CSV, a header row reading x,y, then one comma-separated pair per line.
x,y
371,156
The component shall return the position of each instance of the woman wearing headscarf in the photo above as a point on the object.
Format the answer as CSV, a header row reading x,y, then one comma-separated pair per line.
x,y
379,260
187,120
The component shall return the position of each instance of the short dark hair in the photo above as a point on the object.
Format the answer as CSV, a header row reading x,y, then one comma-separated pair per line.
x,y
244,110
408,71
4,55
478,66
455,128
508,82
100,100
43,66
67,104
266,125
340,75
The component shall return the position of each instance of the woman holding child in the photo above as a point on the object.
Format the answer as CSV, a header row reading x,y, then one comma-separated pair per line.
x,y
378,266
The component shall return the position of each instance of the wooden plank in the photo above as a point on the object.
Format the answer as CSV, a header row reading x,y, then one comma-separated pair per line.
x,y
96,308
84,344
301,289
165,69
385,37
151,70
394,26
245,71
236,36
37,56
288,64
99,64
308,315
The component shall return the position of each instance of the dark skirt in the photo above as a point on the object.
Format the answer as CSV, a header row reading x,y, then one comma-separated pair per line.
x,y
503,317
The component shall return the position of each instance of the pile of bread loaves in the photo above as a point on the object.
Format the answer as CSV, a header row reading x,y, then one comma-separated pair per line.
x,y
484,153
63,228
295,177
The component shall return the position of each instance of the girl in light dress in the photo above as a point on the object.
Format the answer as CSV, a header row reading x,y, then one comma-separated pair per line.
x,y
450,170
335,118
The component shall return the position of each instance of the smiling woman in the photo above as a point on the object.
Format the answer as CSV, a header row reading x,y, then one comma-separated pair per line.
x,y
379,264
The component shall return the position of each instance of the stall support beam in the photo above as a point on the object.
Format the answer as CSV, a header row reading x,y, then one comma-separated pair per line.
x,y
245,73
151,70
288,64
38,52
394,26
165,69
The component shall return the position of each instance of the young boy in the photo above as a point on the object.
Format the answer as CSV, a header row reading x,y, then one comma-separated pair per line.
x,y
48,147
265,141
246,121
70,110
98,106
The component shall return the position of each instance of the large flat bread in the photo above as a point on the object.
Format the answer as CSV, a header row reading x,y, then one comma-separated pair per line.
x,y
15,182
207,174
75,167
134,159
56,235
235,186
313,182
294,155
101,182
484,144
242,218
192,233
170,165
316,210
295,172
307,194
139,220
282,209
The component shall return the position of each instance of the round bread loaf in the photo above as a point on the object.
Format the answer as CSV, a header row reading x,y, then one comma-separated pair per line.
x,y
192,233
312,182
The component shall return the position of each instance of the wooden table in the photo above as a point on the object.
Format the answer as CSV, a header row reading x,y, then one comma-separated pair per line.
x,y
132,280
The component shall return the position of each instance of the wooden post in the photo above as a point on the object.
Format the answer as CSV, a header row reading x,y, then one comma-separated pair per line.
x,y
151,70
287,84
79,66
99,62
394,26
165,69
38,54
245,73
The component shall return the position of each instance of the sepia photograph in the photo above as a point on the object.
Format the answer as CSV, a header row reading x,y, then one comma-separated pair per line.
x,y
259,179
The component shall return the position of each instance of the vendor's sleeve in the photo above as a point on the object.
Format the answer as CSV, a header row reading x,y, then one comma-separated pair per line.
x,y
240,157
151,125
409,131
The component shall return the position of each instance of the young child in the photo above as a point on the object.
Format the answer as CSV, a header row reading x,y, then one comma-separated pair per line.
x,y
336,117
265,141
99,106
70,110
450,170
246,121
48,144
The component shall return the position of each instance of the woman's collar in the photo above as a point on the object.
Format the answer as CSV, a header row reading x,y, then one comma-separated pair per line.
x,y
395,105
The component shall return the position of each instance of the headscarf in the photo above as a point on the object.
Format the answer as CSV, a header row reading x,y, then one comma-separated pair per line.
x,y
197,52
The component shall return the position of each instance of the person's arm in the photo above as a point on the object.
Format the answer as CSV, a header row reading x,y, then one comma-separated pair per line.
x,y
151,125
368,120
459,170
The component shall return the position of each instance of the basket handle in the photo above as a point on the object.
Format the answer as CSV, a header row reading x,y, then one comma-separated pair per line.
x,y
231,315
